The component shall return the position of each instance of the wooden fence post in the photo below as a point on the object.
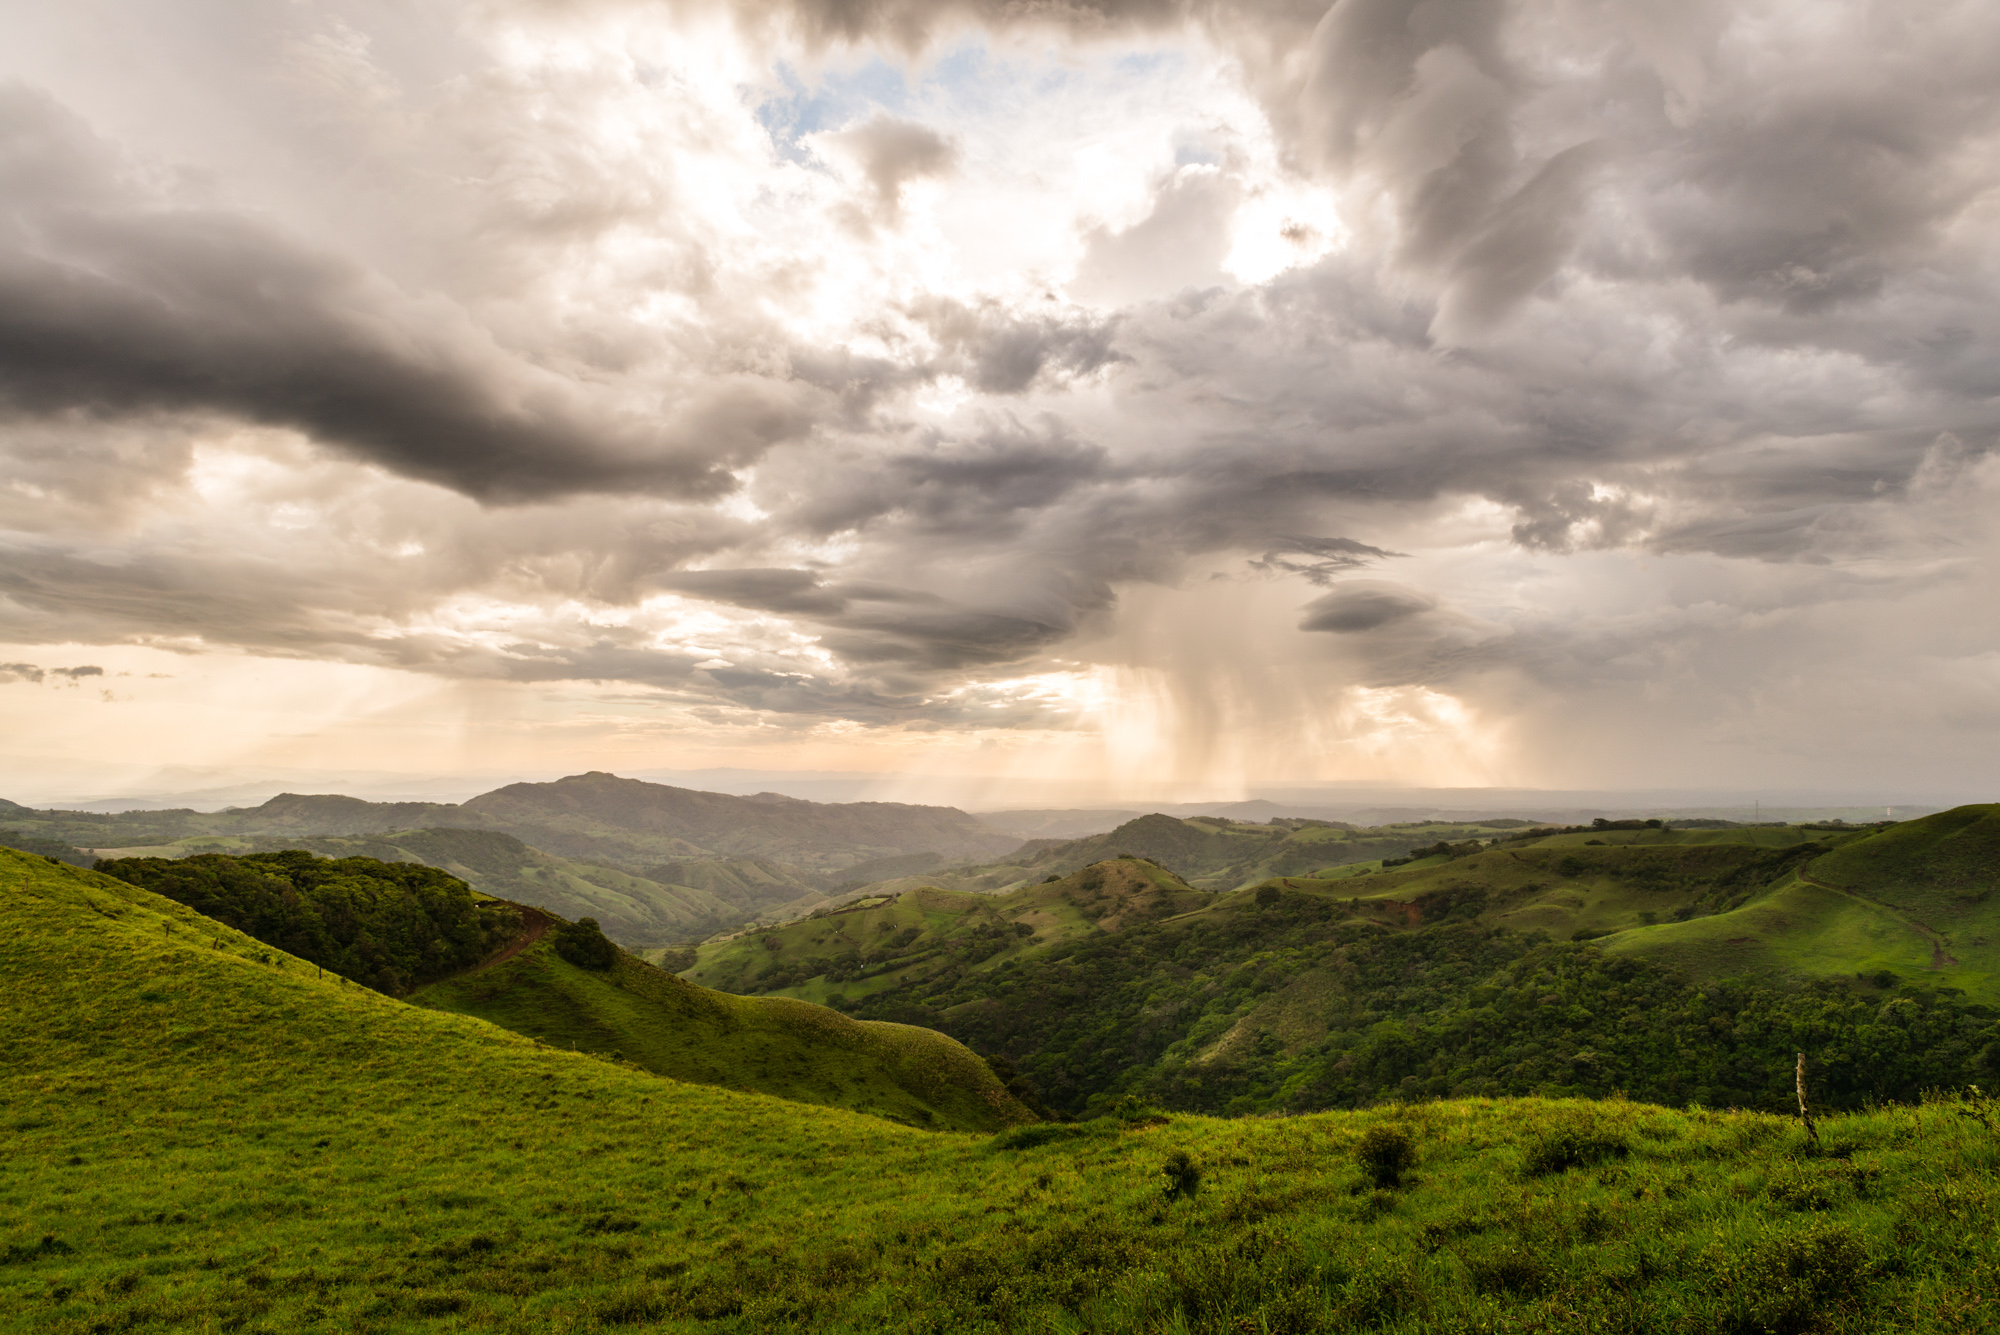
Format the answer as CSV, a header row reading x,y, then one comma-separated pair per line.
x,y
1805,1113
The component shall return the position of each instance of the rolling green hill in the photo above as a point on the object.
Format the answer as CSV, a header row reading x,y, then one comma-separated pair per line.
x,y
205,1135
406,929
911,931
1676,965
769,1045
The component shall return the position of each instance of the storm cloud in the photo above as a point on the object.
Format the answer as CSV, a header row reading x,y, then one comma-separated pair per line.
x,y
1268,359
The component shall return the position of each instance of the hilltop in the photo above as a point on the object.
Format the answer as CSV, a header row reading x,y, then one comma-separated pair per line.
x,y
205,1134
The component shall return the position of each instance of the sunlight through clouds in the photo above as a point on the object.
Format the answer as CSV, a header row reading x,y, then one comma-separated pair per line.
x,y
1166,400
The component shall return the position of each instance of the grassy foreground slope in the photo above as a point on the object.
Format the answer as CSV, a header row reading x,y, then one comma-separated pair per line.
x,y
202,1139
771,1045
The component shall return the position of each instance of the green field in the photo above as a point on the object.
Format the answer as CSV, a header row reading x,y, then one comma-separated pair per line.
x,y
204,1135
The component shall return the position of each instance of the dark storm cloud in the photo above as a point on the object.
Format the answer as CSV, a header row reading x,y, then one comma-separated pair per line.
x,y
1323,558
1363,605
970,490
1000,351
795,592
1615,281
112,305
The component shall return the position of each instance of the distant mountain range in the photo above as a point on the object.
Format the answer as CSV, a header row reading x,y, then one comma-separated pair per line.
x,y
653,864
596,816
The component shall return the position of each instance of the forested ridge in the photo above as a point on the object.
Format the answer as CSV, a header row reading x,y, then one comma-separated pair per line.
x,y
388,925
1295,1007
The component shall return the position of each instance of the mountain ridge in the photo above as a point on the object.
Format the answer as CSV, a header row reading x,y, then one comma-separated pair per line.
x,y
595,816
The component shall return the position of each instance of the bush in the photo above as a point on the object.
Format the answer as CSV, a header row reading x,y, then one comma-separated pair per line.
x,y
1183,1176
1037,1134
1135,1111
1385,1153
584,944
1570,1145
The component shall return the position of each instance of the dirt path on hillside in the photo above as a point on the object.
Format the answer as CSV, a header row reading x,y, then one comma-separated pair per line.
x,y
537,924
1940,957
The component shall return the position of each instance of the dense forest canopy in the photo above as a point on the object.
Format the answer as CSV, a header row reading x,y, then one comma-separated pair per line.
x,y
388,925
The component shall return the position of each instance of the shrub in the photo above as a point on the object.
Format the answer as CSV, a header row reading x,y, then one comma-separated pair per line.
x,y
1135,1111
1037,1133
1183,1176
584,944
1572,1144
1385,1153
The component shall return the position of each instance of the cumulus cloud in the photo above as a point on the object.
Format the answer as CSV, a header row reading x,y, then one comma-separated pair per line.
x,y
527,351
116,304
891,153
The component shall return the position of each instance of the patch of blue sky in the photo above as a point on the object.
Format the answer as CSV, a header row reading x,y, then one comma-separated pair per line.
x,y
837,98
966,83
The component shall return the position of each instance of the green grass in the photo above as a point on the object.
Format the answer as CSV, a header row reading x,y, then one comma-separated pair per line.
x,y
202,1139
769,1045
1799,930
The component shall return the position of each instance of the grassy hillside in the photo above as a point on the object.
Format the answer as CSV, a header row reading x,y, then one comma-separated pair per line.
x,y
200,1138
912,931
413,931
1554,886
771,1045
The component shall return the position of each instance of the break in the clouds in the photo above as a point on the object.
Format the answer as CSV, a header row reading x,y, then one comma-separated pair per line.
x,y
1464,392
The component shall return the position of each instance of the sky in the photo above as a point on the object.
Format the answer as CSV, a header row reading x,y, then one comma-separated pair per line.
x,y
1125,399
